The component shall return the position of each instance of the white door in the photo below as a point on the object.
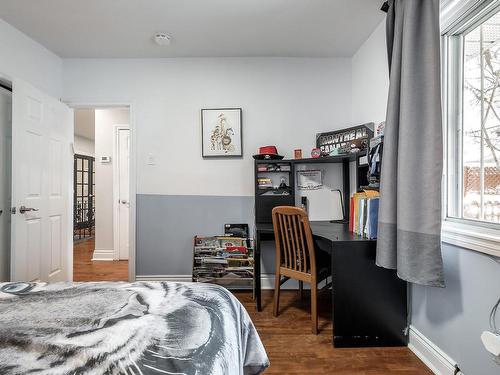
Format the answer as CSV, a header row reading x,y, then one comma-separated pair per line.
x,y
5,181
42,134
123,188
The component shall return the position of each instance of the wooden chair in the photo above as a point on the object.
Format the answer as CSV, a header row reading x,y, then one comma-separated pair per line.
x,y
295,256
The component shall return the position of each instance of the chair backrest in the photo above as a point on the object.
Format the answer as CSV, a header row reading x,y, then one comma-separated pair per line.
x,y
294,241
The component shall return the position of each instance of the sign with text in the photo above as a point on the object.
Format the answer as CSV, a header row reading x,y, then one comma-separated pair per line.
x,y
344,141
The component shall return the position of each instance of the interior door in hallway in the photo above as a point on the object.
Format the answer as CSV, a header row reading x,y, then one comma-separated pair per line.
x,y
124,197
42,134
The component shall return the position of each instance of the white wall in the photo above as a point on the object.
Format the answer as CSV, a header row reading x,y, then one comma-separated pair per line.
x,y
84,146
105,120
24,58
370,79
285,102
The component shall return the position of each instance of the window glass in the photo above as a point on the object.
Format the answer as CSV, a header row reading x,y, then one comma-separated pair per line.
x,y
480,143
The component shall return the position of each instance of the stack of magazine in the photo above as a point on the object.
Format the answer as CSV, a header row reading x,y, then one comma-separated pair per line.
x,y
223,260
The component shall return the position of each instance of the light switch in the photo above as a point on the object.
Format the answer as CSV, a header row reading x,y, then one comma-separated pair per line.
x,y
151,159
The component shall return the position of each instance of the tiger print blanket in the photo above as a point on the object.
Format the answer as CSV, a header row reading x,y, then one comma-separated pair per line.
x,y
126,328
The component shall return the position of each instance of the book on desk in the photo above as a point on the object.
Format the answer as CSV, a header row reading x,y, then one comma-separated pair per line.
x,y
363,218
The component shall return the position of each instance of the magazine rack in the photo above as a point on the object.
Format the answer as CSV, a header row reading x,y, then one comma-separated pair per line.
x,y
224,260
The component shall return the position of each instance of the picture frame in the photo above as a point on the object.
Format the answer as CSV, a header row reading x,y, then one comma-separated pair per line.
x,y
221,133
310,179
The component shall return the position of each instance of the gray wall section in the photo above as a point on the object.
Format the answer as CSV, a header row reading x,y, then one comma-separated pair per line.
x,y
454,317
166,225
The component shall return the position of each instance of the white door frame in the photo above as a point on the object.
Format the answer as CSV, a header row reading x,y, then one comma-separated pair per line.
x,y
132,172
6,79
6,215
116,191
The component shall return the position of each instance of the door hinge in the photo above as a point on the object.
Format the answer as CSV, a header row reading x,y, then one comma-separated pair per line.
x,y
13,210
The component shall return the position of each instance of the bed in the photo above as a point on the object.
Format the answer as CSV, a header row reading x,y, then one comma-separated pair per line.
x,y
126,328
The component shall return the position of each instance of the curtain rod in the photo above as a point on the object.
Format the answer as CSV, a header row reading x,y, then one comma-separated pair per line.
x,y
385,7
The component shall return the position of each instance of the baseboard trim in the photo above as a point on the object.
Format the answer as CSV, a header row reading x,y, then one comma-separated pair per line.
x,y
429,353
178,278
103,254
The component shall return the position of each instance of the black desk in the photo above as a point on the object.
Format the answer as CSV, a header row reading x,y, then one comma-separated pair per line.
x,y
369,302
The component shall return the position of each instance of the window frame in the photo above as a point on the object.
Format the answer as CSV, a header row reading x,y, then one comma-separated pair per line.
x,y
471,234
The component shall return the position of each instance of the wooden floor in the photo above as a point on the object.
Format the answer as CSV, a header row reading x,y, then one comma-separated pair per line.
x,y
84,269
293,349
288,340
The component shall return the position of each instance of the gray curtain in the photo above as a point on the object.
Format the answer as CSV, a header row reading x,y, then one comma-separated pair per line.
x,y
409,237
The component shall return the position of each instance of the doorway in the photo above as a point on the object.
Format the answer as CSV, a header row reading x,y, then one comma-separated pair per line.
x,y
101,194
5,179
36,202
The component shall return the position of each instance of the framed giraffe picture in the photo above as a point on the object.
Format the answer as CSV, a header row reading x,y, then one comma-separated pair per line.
x,y
221,132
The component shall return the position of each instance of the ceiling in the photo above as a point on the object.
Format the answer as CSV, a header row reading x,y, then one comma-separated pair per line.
x,y
199,28
85,123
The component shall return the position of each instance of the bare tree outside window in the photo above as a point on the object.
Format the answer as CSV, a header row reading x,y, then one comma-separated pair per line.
x,y
481,123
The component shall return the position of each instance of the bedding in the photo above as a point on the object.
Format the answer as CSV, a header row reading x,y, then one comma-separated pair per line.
x,y
126,328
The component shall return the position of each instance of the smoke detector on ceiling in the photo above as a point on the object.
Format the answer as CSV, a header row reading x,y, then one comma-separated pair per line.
x,y
162,39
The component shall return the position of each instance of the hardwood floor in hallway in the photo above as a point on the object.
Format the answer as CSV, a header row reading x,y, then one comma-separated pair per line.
x,y
84,269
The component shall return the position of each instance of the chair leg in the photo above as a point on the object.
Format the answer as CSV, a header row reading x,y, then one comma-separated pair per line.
x,y
276,293
301,289
314,307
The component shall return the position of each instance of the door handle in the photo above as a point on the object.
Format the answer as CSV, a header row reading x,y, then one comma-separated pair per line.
x,y
23,209
124,201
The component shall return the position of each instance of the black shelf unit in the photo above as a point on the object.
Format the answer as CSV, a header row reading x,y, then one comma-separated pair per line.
x,y
265,199
265,203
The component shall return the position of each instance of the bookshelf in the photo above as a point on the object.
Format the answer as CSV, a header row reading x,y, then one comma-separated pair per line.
x,y
269,196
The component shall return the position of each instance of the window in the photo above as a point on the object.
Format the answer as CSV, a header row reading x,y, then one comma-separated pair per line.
x,y
472,93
